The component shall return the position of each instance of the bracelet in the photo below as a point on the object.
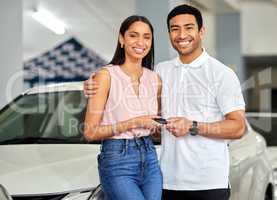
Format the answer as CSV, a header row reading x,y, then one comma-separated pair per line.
x,y
114,129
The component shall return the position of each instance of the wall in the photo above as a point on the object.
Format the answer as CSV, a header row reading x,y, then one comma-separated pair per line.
x,y
163,49
10,49
209,41
156,11
258,25
258,29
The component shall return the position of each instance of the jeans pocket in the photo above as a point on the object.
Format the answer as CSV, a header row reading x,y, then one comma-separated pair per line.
x,y
111,154
109,160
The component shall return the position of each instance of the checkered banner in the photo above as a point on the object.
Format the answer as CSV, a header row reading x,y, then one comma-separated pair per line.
x,y
70,61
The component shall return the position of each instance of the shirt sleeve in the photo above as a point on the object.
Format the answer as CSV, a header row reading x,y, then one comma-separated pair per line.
x,y
229,95
156,69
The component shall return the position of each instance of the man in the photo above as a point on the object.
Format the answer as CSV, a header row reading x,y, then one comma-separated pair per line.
x,y
203,104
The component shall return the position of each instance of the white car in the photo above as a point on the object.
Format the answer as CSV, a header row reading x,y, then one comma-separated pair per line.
x,y
266,125
43,154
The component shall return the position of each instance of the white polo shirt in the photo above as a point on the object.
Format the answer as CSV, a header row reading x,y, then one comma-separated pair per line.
x,y
204,90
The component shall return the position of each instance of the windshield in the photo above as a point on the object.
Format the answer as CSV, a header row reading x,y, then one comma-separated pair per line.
x,y
266,126
44,118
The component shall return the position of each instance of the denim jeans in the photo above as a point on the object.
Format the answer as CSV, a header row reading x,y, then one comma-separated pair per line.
x,y
129,169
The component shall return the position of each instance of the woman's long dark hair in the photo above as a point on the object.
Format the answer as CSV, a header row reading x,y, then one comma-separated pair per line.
x,y
119,55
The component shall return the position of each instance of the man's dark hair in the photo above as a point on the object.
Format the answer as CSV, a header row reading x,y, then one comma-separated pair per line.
x,y
185,9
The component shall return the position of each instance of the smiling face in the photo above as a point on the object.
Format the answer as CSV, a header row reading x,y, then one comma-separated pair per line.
x,y
185,36
137,40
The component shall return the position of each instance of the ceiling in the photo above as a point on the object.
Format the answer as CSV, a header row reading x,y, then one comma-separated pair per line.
x,y
217,6
93,22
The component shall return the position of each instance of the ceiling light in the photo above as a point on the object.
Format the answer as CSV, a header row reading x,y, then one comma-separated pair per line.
x,y
50,21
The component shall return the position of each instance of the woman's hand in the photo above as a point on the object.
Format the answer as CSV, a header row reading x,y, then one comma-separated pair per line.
x,y
146,121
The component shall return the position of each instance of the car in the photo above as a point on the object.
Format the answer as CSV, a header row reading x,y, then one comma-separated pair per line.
x,y
266,124
43,154
251,174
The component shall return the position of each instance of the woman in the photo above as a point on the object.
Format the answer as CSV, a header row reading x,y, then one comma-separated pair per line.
x,y
122,113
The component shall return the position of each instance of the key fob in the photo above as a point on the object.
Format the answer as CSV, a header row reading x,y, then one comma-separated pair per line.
x,y
160,120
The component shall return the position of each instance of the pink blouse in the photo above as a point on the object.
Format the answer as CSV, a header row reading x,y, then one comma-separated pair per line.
x,y
123,103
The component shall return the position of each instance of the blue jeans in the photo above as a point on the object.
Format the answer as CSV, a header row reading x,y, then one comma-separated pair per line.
x,y
129,169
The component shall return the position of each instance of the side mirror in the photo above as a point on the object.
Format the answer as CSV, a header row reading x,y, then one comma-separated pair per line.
x,y
4,195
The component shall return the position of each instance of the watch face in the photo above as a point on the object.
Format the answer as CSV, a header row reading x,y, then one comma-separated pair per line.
x,y
193,131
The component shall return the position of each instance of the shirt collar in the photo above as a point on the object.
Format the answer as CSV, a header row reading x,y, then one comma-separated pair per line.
x,y
196,63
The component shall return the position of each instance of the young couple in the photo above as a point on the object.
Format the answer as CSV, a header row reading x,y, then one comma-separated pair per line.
x,y
199,97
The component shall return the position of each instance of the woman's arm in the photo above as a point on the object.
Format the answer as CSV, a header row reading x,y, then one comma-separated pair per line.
x,y
96,104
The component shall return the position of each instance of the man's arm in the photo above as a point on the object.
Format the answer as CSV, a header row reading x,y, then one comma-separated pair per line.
x,y
90,86
232,127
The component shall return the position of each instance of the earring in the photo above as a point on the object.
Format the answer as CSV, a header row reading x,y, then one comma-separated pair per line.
x,y
121,45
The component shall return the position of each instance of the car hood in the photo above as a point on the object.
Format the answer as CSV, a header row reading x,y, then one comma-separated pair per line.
x,y
272,154
48,168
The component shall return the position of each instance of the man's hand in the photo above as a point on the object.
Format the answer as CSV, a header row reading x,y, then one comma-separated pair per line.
x,y
178,126
90,86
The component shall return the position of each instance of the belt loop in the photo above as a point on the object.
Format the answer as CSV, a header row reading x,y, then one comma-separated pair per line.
x,y
136,142
145,143
126,142
149,143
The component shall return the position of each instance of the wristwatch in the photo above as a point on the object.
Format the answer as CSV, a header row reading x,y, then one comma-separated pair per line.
x,y
194,128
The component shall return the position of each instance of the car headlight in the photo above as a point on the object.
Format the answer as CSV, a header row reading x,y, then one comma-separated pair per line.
x,y
94,194
97,194
78,196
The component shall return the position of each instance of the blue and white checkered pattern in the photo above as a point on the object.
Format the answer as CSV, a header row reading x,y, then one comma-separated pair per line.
x,y
70,61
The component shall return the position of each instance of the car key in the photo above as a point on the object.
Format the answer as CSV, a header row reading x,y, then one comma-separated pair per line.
x,y
160,120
